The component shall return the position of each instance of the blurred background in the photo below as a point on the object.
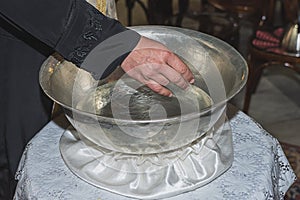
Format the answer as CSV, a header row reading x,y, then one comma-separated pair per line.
x,y
275,104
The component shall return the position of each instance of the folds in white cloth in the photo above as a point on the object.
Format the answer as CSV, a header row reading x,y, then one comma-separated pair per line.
x,y
150,176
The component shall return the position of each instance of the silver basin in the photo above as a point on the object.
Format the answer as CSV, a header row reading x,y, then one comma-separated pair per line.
x,y
220,73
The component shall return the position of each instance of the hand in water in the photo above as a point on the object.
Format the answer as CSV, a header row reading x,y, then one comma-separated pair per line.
x,y
153,64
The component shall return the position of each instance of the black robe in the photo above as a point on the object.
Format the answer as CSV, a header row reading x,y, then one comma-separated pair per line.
x,y
30,31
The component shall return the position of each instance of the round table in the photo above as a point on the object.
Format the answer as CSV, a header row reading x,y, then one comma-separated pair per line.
x,y
260,169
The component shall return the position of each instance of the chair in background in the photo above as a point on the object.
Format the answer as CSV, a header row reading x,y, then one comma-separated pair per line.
x,y
235,11
237,8
220,18
158,11
265,49
220,22
130,5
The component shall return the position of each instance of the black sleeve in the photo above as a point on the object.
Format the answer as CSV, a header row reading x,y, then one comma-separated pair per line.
x,y
73,28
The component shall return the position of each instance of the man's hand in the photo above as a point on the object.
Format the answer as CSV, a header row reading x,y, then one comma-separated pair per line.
x,y
153,64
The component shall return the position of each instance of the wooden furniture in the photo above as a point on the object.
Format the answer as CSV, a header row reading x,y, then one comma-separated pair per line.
x,y
240,8
220,18
264,57
157,11
161,12
235,11
130,5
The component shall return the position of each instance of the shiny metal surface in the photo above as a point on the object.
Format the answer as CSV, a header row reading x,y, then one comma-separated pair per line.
x,y
291,39
220,73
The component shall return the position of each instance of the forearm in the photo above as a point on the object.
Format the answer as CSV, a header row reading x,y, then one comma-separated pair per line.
x,y
71,27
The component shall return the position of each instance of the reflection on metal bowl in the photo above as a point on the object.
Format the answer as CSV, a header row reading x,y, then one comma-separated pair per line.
x,y
124,116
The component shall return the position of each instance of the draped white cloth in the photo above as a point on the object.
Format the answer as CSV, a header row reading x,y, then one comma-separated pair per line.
x,y
151,176
260,169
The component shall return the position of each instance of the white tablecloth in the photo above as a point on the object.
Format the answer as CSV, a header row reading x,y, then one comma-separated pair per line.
x,y
260,169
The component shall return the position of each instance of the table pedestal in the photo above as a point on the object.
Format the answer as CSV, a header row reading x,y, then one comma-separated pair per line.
x,y
150,176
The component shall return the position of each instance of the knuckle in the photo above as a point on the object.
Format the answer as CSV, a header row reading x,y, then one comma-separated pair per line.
x,y
147,73
155,67
183,69
167,54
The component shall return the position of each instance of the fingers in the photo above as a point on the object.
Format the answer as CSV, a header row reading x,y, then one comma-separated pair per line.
x,y
157,76
155,82
168,73
159,88
162,54
180,67
162,74
154,65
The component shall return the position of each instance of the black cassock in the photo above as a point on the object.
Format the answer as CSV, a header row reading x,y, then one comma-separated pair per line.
x,y
30,31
